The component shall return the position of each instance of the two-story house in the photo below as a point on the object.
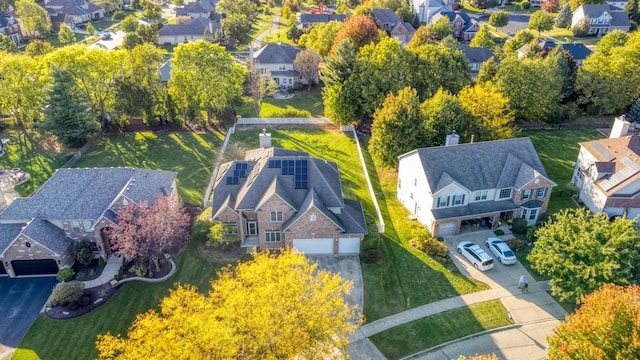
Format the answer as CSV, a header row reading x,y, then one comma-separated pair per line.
x,y
200,28
278,59
9,26
607,172
196,9
306,21
603,18
72,12
277,198
426,9
37,232
446,185
464,27
388,21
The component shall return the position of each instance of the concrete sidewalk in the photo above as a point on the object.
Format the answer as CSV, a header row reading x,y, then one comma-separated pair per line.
x,y
108,273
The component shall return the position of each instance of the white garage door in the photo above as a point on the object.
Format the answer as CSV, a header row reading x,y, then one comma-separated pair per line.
x,y
348,246
314,246
447,229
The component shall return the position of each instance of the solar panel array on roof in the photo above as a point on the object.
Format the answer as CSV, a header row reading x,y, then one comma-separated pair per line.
x,y
288,167
240,170
275,163
301,174
602,151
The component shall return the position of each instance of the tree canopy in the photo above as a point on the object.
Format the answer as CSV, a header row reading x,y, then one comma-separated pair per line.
x,y
276,306
360,29
483,38
606,326
23,88
307,63
33,17
563,20
499,19
491,111
321,37
541,21
581,251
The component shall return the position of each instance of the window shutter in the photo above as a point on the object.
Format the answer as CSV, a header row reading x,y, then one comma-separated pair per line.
x,y
463,198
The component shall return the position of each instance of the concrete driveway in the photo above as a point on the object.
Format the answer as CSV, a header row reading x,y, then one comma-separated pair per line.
x,y
20,303
349,268
516,23
116,40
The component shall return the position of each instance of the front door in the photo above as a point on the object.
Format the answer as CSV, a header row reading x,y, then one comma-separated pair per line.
x,y
252,228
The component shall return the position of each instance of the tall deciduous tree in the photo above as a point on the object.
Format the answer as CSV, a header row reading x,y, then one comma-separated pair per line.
x,y
236,28
422,36
131,40
550,6
22,85
493,116
149,231
483,38
581,28
321,37
563,20
360,29
606,326
442,28
521,38
259,85
499,19
66,35
38,47
240,7
581,251
541,21
66,116
33,17
440,66
90,29
307,63
488,71
204,76
278,306
397,127
444,113
7,45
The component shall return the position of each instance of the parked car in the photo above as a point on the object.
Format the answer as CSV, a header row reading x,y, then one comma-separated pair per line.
x,y
81,26
106,36
474,253
501,250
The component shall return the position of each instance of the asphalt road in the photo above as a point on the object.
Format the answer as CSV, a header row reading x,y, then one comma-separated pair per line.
x,y
20,303
516,23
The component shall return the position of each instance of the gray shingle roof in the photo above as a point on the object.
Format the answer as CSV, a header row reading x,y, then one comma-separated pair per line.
x,y
385,16
72,7
481,165
196,26
165,71
321,18
478,54
48,235
4,19
577,51
474,208
8,233
198,7
452,16
620,18
84,194
276,54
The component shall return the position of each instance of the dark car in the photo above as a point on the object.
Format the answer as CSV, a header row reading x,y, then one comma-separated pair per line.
x,y
106,36
81,26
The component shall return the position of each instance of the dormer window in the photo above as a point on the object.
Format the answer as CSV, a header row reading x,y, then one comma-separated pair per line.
x,y
504,194
458,199
482,195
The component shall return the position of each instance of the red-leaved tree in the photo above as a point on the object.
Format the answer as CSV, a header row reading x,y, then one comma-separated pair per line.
x,y
551,6
360,29
148,232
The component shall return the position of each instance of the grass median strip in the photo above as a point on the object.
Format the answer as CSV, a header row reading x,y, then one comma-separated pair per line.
x,y
433,330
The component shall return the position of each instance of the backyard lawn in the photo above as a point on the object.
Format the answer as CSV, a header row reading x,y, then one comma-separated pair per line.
x,y
53,39
422,334
189,154
75,338
34,153
306,103
558,150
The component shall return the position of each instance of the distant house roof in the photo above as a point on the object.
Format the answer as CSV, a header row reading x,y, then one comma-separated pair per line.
x,y
276,54
165,71
481,165
410,29
619,18
578,52
294,176
624,155
385,16
478,54
321,18
72,7
197,26
468,22
5,19
197,7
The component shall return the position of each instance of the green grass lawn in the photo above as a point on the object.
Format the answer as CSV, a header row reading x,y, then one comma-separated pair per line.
x,y
33,152
189,154
566,36
53,39
307,102
422,334
75,338
517,9
558,150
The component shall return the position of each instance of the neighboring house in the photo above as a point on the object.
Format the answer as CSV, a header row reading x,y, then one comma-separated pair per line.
x,y
72,12
307,20
464,27
200,8
603,19
446,186
578,52
476,56
10,27
197,29
426,9
617,5
277,198
607,172
37,232
388,21
165,71
278,58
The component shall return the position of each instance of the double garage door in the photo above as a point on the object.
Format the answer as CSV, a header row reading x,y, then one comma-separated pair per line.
x,y
324,246
34,267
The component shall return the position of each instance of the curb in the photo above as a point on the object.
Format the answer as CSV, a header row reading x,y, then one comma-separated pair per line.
x,y
173,270
508,327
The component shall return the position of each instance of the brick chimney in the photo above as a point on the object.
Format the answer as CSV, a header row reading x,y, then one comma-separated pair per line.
x,y
620,127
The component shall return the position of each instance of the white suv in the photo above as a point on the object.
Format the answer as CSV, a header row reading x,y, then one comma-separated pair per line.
x,y
474,253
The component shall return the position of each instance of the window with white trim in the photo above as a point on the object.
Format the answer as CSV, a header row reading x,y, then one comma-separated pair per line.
x,y
504,194
526,194
230,228
458,199
443,201
87,225
272,236
524,214
541,192
276,216
532,214
482,195
75,226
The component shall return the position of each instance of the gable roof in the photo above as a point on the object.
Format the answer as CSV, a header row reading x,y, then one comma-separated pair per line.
x,y
577,51
451,15
198,7
8,233
72,7
618,18
47,235
623,153
5,19
276,54
407,26
385,16
478,54
197,26
321,18
84,194
481,165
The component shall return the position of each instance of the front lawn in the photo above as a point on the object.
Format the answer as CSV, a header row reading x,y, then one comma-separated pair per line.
x,y
75,338
558,151
53,39
189,154
33,152
307,102
422,334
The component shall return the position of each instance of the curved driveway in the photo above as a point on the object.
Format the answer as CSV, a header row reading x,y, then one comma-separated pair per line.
x,y
516,23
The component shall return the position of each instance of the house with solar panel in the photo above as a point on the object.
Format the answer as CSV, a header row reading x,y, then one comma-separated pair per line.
x,y
607,171
276,198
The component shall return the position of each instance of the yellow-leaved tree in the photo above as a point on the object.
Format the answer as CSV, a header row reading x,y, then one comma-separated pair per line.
x,y
278,306
494,117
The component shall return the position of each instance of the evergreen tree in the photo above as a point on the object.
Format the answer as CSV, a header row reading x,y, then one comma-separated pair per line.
x,y
339,65
634,112
66,35
563,20
632,8
488,70
67,115
568,71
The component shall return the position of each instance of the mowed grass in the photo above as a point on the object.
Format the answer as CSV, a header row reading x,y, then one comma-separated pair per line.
x,y
35,153
436,329
189,154
75,338
307,102
558,151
